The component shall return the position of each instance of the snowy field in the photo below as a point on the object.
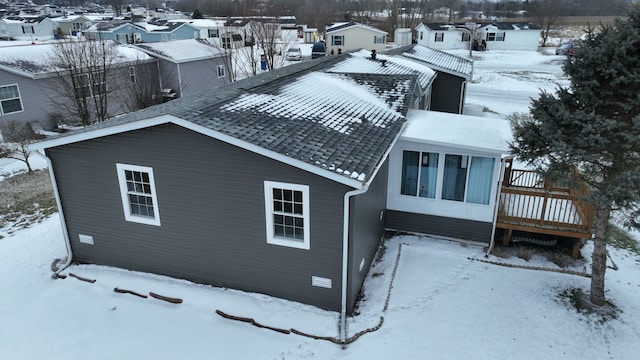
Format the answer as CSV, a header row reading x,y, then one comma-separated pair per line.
x,y
441,304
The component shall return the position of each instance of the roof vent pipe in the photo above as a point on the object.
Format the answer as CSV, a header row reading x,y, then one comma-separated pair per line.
x,y
373,54
383,62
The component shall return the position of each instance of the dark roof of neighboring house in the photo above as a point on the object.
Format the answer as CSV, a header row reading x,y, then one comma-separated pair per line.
x,y
341,125
513,25
441,60
341,26
497,24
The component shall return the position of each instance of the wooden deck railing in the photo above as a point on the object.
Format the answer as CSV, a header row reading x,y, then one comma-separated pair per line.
x,y
528,201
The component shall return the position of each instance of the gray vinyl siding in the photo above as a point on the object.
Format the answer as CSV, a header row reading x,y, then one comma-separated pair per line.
x,y
33,94
211,205
39,96
438,225
447,93
201,75
365,232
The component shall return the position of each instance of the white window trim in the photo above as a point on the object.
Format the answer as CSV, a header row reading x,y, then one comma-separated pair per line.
x,y
268,205
19,98
155,220
221,68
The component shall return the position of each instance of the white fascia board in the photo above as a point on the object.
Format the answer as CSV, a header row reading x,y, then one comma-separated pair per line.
x,y
165,119
18,72
473,149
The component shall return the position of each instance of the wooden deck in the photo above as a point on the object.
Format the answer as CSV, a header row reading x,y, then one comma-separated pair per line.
x,y
530,204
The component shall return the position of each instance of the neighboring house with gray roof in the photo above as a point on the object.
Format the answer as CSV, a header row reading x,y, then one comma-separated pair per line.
x,y
487,36
29,83
276,184
189,66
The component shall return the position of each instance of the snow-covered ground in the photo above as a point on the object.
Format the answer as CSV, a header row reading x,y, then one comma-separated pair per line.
x,y
442,305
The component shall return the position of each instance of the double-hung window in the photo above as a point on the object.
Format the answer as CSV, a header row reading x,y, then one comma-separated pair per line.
x,y
337,40
287,214
466,37
495,36
10,101
462,178
439,37
213,33
138,193
382,39
221,71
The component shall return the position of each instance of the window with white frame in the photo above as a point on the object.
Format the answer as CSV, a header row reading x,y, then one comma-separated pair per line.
x,y
164,37
421,35
76,26
10,100
173,36
466,37
221,71
213,33
138,193
439,37
337,40
463,178
495,36
287,214
380,39
26,29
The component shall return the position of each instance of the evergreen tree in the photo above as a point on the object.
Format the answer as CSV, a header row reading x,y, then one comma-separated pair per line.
x,y
593,125
196,14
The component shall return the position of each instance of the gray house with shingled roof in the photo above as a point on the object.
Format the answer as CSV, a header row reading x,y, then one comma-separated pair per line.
x,y
276,184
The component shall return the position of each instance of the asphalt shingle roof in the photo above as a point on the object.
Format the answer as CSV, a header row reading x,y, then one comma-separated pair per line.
x,y
360,62
441,60
342,123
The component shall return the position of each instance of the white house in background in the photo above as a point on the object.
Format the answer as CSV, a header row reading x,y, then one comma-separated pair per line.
x,y
487,36
347,36
27,28
511,36
444,174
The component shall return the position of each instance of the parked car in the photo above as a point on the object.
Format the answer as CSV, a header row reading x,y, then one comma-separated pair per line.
x,y
318,50
567,48
294,54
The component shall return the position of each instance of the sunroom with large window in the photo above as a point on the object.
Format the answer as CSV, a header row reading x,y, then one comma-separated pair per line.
x,y
444,174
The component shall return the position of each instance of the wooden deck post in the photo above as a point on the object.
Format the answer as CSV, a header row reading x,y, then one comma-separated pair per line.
x,y
576,248
506,237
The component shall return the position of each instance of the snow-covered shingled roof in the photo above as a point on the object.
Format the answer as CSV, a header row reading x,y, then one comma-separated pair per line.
x,y
441,60
339,125
31,60
180,50
360,62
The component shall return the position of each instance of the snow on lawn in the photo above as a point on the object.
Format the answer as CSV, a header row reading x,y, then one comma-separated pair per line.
x,y
442,305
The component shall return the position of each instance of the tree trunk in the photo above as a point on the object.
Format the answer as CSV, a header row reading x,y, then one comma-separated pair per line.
x,y
599,256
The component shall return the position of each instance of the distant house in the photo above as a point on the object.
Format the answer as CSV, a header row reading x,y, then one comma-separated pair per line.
x,y
348,36
142,32
210,29
29,83
486,36
189,66
30,28
72,25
